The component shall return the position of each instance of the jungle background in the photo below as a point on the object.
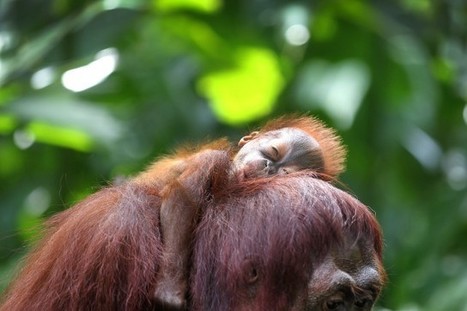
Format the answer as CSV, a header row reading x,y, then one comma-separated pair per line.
x,y
91,91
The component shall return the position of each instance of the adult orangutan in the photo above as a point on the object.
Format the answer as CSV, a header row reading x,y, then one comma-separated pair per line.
x,y
290,242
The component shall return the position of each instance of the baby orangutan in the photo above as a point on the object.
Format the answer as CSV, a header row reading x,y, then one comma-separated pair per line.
x,y
283,146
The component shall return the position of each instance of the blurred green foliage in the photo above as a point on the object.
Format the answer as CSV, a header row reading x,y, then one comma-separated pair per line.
x,y
93,90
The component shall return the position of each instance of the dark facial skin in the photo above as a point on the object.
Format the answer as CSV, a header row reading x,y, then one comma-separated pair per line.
x,y
278,152
346,280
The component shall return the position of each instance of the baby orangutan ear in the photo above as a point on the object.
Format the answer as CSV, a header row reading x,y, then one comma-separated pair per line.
x,y
247,138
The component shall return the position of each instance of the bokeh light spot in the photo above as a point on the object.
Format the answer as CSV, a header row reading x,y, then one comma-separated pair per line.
x,y
87,76
297,35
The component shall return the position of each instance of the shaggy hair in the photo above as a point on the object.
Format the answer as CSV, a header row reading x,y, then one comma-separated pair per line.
x,y
278,229
254,248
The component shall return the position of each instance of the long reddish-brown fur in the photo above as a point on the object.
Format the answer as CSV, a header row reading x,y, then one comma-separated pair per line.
x,y
99,255
103,253
284,226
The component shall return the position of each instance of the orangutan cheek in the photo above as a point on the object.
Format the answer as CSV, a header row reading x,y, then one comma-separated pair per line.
x,y
255,169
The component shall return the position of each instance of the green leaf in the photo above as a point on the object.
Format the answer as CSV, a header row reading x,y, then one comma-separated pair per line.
x,y
64,121
60,136
7,123
206,6
246,91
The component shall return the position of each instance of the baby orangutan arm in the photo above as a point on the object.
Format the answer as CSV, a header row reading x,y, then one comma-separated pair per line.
x,y
183,201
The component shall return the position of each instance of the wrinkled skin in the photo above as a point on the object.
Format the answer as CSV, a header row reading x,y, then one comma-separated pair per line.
x,y
340,284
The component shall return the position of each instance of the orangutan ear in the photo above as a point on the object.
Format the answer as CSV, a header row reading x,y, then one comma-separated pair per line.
x,y
247,138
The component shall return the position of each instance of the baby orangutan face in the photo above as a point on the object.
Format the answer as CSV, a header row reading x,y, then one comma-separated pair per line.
x,y
277,152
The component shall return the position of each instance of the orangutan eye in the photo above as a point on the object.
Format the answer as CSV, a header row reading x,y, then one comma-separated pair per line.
x,y
272,153
363,303
275,152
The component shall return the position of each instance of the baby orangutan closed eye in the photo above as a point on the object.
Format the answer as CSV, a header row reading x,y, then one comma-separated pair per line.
x,y
277,152
282,146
